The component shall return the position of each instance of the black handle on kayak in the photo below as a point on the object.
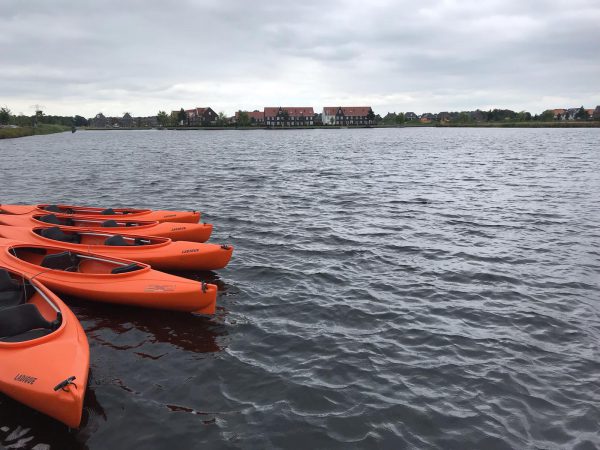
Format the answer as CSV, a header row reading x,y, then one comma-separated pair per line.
x,y
64,384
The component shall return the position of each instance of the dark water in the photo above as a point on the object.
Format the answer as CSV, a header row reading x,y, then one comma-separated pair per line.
x,y
404,288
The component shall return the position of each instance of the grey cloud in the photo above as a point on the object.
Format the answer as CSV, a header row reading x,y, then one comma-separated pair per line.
x,y
398,55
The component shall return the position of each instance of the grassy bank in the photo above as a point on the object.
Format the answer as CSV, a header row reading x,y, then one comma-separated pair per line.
x,y
8,133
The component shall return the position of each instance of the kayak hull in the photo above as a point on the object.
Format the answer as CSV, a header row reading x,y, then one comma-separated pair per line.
x,y
193,232
122,213
143,287
166,255
30,370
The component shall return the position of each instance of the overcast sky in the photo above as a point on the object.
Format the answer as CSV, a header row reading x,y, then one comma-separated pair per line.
x,y
142,56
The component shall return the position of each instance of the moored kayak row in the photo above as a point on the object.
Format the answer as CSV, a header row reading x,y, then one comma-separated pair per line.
x,y
99,255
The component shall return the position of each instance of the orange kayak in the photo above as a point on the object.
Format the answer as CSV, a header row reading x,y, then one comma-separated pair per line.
x,y
106,213
44,354
112,280
194,232
160,253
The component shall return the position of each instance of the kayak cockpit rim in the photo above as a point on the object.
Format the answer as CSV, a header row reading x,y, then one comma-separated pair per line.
x,y
143,240
94,220
91,210
12,252
45,294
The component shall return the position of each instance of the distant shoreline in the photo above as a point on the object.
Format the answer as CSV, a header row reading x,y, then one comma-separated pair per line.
x,y
530,124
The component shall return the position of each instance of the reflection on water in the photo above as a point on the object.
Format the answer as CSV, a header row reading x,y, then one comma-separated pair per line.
x,y
189,332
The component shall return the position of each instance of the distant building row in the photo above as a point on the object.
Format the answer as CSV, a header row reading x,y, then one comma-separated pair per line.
x,y
282,116
575,113
297,116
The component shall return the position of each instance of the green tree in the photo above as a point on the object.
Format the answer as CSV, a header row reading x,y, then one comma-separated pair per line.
x,y
371,116
4,115
222,119
162,118
389,118
80,121
243,119
582,114
400,119
464,117
547,115
181,117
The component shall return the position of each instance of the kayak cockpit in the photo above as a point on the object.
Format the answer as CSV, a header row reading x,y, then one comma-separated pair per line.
x,y
96,238
69,261
65,209
60,220
26,312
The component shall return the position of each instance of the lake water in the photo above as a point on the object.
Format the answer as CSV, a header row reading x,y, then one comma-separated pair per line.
x,y
389,288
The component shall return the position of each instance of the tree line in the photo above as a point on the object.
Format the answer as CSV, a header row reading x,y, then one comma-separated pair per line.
x,y
22,120
492,115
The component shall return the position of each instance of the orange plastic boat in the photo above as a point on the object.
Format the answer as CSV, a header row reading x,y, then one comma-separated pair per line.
x,y
160,253
44,354
106,213
194,232
113,280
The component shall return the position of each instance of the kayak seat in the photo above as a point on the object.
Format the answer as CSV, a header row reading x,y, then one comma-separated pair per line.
x,y
117,240
110,223
11,292
27,336
18,320
128,268
6,282
130,224
50,218
57,234
108,212
52,208
61,261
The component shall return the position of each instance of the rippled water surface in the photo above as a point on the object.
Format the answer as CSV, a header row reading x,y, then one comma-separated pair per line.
x,y
400,288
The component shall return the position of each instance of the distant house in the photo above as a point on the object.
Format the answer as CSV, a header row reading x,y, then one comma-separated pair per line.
x,y
347,115
410,116
289,116
447,116
201,117
571,113
147,122
99,121
426,118
559,114
127,121
256,117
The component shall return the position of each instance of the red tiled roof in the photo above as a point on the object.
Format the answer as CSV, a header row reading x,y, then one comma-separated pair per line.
x,y
293,111
360,111
196,111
